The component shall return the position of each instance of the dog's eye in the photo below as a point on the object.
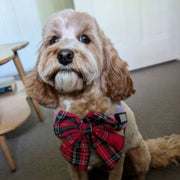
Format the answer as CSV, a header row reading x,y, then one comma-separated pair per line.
x,y
55,39
84,39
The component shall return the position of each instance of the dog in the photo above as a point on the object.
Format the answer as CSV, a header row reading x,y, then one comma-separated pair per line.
x,y
79,71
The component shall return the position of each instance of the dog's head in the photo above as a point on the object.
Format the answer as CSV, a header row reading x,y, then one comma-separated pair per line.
x,y
74,54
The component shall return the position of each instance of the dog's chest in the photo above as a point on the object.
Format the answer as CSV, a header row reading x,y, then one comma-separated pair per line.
x,y
94,159
91,103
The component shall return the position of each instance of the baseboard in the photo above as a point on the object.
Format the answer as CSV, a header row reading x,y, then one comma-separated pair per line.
x,y
154,65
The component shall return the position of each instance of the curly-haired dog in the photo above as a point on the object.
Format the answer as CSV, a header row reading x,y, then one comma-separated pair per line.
x,y
79,71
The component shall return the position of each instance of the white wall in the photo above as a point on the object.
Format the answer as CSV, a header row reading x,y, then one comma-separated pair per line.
x,y
145,32
19,23
22,20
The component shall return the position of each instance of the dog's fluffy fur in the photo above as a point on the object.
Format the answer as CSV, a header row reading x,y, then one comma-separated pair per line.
x,y
95,81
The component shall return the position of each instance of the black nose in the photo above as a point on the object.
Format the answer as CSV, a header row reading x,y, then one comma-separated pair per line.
x,y
65,56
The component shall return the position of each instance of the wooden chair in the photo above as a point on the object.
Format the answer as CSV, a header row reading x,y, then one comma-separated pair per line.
x,y
8,52
14,111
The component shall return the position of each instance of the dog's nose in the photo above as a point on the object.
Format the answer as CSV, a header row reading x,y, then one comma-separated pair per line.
x,y
65,56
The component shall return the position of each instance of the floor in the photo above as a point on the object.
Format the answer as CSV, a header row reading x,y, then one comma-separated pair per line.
x,y
34,147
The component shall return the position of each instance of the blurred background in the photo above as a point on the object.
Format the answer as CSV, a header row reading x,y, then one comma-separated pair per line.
x,y
145,32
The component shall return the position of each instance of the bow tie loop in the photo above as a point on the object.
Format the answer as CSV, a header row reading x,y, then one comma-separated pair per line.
x,y
102,121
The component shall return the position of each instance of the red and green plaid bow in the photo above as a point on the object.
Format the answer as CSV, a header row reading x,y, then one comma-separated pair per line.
x,y
94,131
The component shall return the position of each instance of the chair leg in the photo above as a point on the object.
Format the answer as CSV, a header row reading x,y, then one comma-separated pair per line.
x,y
7,153
22,74
35,104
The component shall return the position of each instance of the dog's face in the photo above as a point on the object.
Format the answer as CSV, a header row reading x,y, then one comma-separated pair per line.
x,y
71,55
74,55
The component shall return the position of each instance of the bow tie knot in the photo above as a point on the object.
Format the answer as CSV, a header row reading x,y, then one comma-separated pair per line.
x,y
86,128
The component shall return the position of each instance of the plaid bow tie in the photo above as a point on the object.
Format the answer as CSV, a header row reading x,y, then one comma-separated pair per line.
x,y
94,131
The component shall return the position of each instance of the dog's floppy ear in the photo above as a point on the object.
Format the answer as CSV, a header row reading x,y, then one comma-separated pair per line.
x,y
37,89
115,79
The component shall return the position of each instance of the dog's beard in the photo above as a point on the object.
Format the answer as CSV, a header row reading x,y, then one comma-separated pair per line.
x,y
68,81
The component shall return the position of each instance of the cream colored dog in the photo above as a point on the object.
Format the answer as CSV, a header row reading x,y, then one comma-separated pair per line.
x,y
79,71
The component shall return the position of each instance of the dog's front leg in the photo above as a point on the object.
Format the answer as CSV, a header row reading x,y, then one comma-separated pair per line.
x,y
77,174
116,173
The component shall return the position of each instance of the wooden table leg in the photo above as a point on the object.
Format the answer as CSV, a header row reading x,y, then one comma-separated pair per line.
x,y
19,66
7,153
22,74
35,104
